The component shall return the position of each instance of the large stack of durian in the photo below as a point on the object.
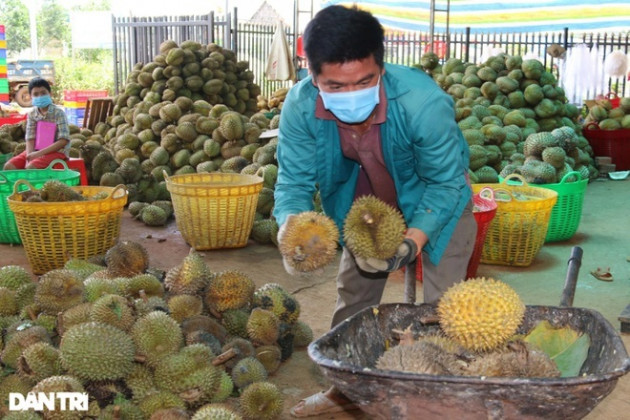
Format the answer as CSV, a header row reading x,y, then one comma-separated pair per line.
x,y
478,320
500,103
144,344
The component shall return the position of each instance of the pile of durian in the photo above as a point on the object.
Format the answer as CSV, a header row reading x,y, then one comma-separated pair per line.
x,y
478,321
54,191
274,103
607,117
195,344
500,103
12,138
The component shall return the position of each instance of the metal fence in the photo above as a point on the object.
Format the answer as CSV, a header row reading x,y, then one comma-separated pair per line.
x,y
138,40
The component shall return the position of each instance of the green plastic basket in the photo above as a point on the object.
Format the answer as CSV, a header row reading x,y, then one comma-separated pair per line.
x,y
566,214
4,158
37,177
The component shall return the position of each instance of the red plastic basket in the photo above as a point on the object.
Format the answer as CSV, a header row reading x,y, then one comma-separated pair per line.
x,y
484,210
12,119
612,143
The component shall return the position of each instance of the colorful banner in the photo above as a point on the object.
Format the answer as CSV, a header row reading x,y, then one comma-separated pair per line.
x,y
483,16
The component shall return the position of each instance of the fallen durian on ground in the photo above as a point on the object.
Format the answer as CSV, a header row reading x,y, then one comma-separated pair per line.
x,y
373,228
310,241
480,314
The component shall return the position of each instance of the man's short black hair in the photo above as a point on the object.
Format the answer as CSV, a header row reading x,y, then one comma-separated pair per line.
x,y
38,82
338,34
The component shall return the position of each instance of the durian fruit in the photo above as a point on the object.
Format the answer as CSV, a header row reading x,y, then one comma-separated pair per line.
x,y
96,351
140,381
113,310
261,401
206,324
242,348
126,259
215,412
75,315
8,302
156,335
235,322
12,383
170,414
39,361
184,306
435,356
160,400
229,290
146,305
60,383
480,314
121,410
82,268
56,191
14,276
285,340
25,294
310,241
273,297
18,341
247,371
205,338
153,215
147,284
107,392
226,386
136,207
95,287
58,290
192,377
517,359
263,327
302,334
270,356
22,415
190,277
373,228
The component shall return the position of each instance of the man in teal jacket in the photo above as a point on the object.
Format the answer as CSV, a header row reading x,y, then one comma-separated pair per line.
x,y
358,126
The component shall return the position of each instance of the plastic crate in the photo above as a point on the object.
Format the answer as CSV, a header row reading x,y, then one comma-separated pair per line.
x,y
1,29
3,55
3,44
612,143
76,112
4,84
214,210
37,178
12,119
4,97
74,104
54,232
520,225
83,95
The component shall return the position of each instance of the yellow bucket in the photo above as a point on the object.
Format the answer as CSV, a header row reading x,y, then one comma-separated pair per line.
x,y
214,210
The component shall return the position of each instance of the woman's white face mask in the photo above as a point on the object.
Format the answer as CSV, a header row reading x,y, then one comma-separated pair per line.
x,y
352,107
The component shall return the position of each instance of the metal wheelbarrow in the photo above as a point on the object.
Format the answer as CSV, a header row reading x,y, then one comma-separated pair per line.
x,y
347,355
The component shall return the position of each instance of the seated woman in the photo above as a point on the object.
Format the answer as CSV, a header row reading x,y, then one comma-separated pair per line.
x,y
43,110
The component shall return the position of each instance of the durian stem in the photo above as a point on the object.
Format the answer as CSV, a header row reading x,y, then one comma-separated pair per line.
x,y
31,314
224,357
116,415
60,327
430,319
143,296
215,313
139,358
368,218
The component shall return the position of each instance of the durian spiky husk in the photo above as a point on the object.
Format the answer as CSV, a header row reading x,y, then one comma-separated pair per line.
x,y
261,400
126,259
310,241
190,277
373,228
480,314
230,289
519,359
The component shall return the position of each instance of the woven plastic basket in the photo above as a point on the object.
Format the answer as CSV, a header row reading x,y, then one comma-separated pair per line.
x,y
566,214
54,232
484,211
214,210
520,225
4,158
36,177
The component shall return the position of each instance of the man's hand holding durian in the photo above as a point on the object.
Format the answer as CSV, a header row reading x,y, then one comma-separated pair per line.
x,y
407,252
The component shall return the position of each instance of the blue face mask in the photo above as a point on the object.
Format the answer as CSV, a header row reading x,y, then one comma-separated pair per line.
x,y
42,101
354,106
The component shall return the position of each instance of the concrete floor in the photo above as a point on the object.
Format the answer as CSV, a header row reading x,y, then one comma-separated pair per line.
x,y
603,235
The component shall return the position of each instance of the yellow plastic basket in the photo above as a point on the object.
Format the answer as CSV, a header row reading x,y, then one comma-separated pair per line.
x,y
520,225
214,210
53,232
